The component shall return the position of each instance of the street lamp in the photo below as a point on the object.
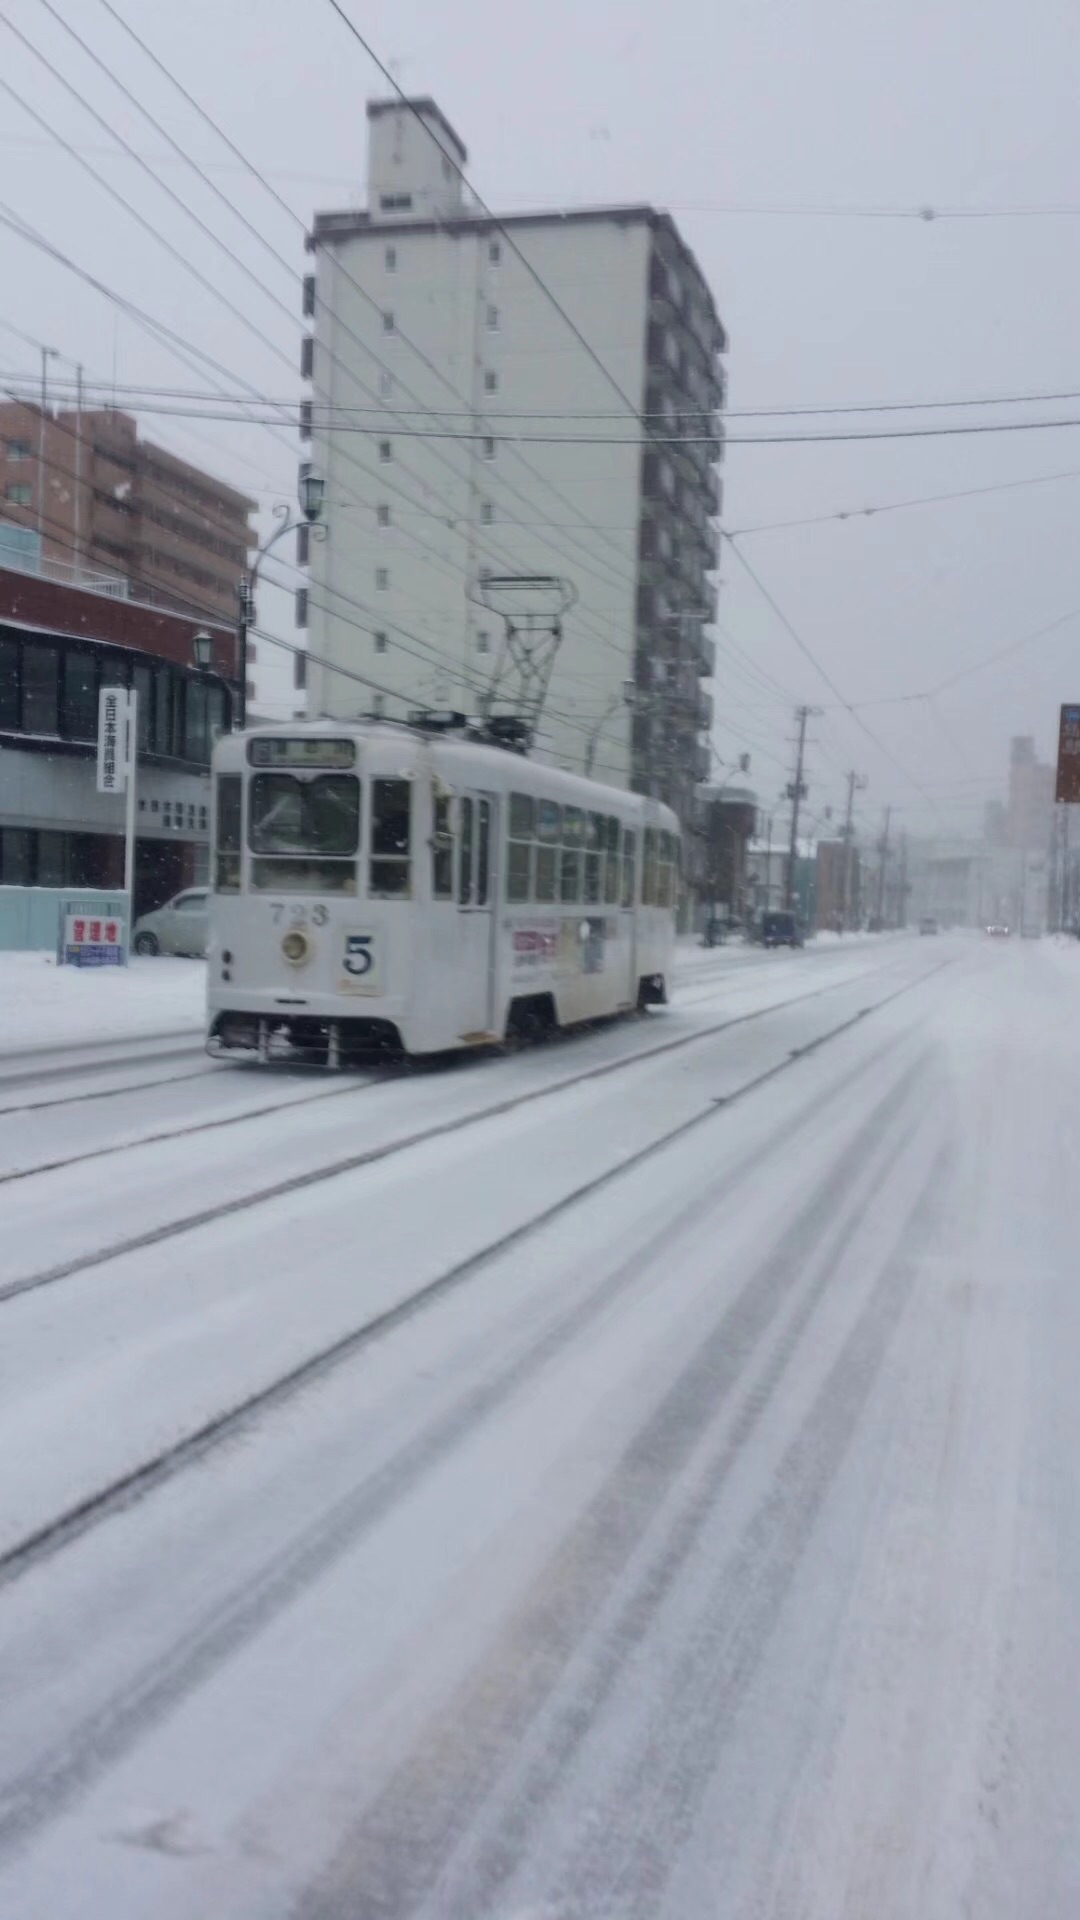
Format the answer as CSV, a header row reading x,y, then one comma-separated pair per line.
x,y
624,698
311,496
202,650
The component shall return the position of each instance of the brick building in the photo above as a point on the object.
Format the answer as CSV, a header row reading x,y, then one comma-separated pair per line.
x,y
87,491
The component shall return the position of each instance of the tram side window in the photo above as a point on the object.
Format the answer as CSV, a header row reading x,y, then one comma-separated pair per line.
x,y
388,876
465,878
548,836
519,848
483,851
573,839
227,838
629,846
611,865
594,842
442,849
648,869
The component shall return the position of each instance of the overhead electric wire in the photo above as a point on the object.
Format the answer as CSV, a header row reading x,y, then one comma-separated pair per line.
x,y
897,506
487,545
351,279
823,673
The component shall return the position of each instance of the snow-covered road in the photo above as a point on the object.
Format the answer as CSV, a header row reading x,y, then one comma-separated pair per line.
x,y
635,1478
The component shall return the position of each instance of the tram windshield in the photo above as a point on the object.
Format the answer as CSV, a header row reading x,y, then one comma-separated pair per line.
x,y
307,832
305,816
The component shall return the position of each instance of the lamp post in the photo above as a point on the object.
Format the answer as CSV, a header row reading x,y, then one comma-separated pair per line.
x,y
311,495
624,698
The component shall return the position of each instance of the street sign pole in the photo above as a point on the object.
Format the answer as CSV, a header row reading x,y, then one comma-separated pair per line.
x,y
117,749
131,752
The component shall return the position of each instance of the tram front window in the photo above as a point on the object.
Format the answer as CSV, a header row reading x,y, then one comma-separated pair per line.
x,y
304,833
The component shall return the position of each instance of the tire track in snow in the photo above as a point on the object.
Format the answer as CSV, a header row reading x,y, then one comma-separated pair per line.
x,y
399,1851
370,1156
30,1801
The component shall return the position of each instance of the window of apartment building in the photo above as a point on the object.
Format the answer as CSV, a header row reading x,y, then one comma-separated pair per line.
x,y
301,606
308,301
382,514
491,318
40,688
378,705
491,381
382,579
483,641
386,384
395,202
488,448
18,449
487,513
307,357
305,431
494,252
386,451
390,260
80,694
380,642
388,321
18,493
9,684
303,544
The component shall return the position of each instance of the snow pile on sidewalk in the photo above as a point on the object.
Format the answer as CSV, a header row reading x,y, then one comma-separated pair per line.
x,y
42,1004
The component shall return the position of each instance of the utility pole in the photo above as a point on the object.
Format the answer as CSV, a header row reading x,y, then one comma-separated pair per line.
x,y
901,903
883,849
47,354
855,781
796,793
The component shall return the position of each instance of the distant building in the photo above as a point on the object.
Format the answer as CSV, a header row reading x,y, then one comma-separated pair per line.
x,y
838,880
1030,810
90,493
724,828
436,486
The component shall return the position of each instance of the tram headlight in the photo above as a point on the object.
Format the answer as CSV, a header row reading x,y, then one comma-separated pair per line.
x,y
296,946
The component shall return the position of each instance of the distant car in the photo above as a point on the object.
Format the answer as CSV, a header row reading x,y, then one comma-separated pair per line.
x,y
180,926
928,924
997,931
780,930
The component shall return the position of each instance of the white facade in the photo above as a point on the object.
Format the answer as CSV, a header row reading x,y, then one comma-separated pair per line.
x,y
447,349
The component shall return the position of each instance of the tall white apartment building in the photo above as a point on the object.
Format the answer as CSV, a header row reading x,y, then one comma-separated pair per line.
x,y
462,426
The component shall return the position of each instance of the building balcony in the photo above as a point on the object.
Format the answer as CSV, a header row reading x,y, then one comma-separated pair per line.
x,y
703,712
705,655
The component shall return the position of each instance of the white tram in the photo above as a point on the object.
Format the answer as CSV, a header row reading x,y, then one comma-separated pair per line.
x,y
414,886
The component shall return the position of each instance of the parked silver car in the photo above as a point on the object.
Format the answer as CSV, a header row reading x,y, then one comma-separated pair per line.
x,y
180,926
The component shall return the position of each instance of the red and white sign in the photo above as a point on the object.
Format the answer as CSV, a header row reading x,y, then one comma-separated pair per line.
x,y
91,940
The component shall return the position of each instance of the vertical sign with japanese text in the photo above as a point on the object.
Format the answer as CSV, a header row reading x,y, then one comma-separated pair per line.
x,y
1067,789
112,742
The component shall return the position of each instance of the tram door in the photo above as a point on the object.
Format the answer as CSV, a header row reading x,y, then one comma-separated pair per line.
x,y
476,922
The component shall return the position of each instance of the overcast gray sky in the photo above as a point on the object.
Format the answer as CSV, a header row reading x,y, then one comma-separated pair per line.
x,y
757,123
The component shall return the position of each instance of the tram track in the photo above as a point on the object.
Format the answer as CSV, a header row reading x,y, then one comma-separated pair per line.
x,y
350,1163
125,1490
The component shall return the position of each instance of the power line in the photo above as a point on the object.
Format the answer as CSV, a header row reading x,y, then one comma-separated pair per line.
x,y
425,360
578,413
823,674
897,506
659,441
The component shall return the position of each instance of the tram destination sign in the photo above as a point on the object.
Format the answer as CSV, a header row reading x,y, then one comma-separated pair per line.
x,y
1067,789
298,750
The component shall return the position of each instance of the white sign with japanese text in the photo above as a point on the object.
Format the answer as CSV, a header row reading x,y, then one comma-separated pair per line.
x,y
112,741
